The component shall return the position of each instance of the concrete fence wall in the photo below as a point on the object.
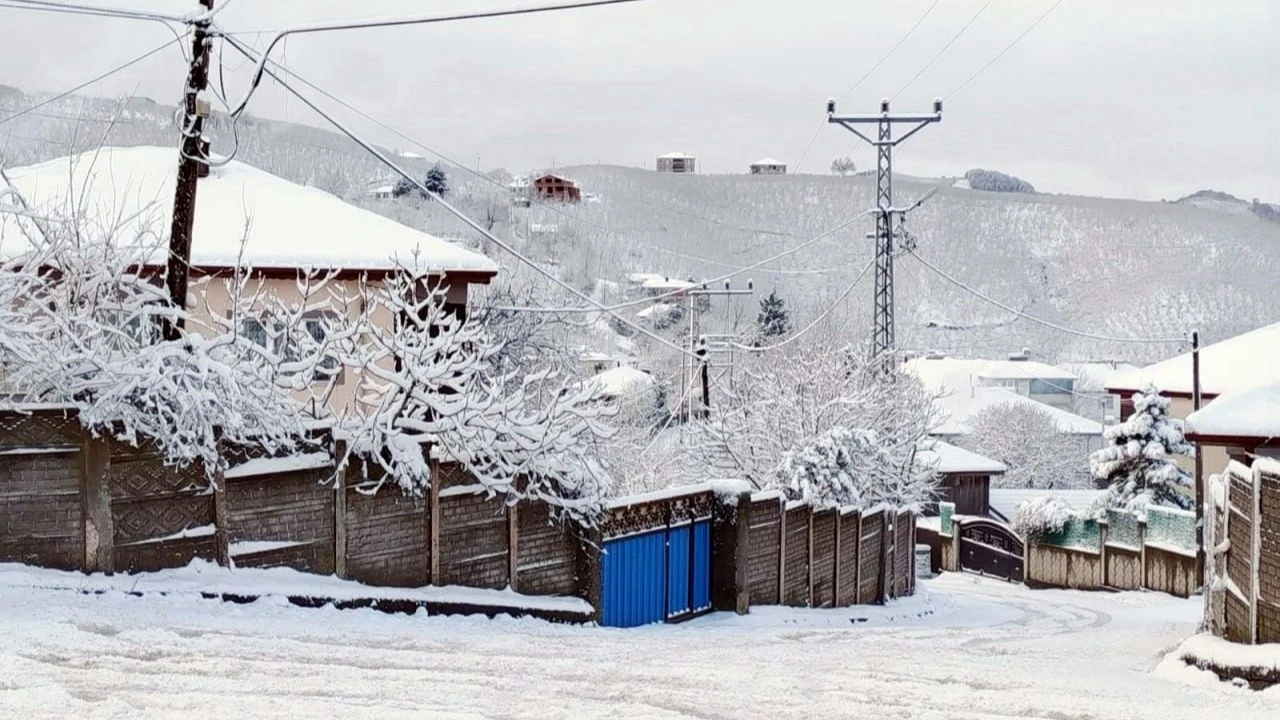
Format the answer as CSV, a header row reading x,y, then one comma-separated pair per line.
x,y
803,556
76,502
1243,537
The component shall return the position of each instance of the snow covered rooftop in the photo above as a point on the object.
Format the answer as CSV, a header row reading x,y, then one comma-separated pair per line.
x,y
767,161
622,380
656,309
1252,413
675,156
948,458
1006,500
959,407
962,373
1243,361
666,283
131,191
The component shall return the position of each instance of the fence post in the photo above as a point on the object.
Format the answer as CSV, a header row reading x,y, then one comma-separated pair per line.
x,y
1142,552
513,547
1103,532
433,522
857,562
882,586
782,551
957,563
835,566
340,508
99,528
590,569
809,565
1255,554
742,569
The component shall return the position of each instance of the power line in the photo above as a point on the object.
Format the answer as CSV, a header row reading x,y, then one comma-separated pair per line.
x,y
453,210
1006,49
1053,326
812,325
939,54
864,77
398,22
91,81
92,10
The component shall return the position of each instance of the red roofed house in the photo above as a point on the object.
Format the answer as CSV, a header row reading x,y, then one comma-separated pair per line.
x,y
555,187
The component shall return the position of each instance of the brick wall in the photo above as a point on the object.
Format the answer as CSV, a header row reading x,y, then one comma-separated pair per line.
x,y
824,558
869,558
763,551
387,538
284,507
473,539
795,588
41,522
546,553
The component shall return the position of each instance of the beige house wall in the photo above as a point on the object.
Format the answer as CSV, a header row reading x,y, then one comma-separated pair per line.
x,y
213,298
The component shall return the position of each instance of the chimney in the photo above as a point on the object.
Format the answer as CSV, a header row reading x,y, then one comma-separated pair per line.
x,y
1022,356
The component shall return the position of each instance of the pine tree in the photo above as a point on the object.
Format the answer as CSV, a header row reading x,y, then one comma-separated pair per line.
x,y
437,182
1138,464
774,320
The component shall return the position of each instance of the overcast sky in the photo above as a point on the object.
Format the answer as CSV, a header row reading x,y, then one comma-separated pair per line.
x,y
1128,98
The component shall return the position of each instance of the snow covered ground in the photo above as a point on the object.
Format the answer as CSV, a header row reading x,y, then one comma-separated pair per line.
x,y
966,648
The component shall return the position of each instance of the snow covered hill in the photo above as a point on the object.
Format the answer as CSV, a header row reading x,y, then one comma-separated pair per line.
x,y
1105,266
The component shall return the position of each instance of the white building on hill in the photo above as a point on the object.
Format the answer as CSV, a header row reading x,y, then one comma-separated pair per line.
x,y
677,162
768,166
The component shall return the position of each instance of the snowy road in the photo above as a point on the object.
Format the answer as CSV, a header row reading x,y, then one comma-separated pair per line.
x,y
967,648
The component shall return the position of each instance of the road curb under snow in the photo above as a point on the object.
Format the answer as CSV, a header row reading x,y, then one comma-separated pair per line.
x,y
247,585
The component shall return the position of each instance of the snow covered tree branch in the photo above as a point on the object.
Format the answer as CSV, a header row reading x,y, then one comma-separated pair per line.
x,y
430,387
81,305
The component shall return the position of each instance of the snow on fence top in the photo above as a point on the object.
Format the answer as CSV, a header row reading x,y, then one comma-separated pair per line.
x,y
949,459
1254,412
131,191
287,464
1244,361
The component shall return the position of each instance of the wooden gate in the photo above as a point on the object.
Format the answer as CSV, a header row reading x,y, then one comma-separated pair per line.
x,y
990,548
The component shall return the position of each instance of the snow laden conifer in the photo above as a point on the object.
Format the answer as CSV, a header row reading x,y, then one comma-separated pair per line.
x,y
774,319
430,389
437,182
1138,463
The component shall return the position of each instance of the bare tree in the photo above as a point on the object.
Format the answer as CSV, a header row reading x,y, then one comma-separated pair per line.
x,y
1029,441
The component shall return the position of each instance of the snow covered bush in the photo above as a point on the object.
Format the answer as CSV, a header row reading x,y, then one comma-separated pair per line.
x,y
429,388
1042,516
852,467
993,181
1029,442
1138,463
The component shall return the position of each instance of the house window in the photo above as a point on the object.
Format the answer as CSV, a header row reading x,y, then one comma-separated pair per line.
x,y
319,331
1052,387
253,330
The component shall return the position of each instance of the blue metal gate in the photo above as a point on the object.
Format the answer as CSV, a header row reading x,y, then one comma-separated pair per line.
x,y
663,575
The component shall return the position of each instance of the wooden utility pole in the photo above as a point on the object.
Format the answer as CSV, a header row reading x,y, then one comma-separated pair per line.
x,y
189,170
1195,405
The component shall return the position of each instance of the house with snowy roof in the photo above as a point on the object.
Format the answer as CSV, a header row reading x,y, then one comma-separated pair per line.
x,y
245,217
1228,367
1242,424
767,166
1018,373
678,163
964,477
